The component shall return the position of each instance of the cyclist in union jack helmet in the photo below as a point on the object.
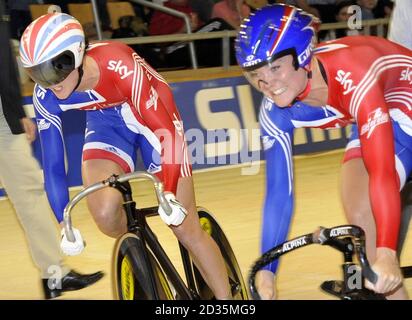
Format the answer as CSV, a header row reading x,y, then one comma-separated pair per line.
x,y
129,106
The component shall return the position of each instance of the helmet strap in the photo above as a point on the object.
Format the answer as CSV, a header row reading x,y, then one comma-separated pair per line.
x,y
80,70
305,91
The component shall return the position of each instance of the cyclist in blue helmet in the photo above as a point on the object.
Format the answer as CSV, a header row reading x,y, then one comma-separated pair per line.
x,y
353,80
267,37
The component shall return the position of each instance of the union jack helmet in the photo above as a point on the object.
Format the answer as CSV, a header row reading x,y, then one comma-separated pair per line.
x,y
51,47
274,31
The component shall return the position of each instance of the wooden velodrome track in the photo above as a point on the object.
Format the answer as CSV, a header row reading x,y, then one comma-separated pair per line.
x,y
236,201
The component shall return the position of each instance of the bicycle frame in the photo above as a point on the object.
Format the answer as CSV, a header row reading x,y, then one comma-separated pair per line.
x,y
137,224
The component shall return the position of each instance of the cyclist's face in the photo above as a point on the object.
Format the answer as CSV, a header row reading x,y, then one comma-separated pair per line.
x,y
63,89
279,80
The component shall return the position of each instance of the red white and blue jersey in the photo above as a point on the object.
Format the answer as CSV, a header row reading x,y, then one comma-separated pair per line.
x,y
369,83
131,107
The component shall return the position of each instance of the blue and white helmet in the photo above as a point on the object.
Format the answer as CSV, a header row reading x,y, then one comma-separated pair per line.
x,y
273,31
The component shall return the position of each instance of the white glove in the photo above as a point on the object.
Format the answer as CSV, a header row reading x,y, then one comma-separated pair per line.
x,y
72,248
178,214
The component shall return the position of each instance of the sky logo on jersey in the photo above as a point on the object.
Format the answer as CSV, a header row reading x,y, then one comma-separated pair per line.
x,y
375,118
343,78
117,67
43,124
406,75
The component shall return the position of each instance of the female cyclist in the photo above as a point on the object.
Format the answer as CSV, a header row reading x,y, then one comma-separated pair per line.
x,y
360,80
129,106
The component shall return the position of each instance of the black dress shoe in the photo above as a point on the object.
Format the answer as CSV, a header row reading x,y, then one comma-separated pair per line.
x,y
72,281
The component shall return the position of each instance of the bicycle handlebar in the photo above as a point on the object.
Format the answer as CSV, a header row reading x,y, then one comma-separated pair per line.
x,y
320,236
358,236
158,185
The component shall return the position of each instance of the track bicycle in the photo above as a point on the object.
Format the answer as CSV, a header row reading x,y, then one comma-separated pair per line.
x,y
350,241
141,269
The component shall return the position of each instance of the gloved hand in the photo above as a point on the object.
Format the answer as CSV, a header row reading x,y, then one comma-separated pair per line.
x,y
72,248
178,211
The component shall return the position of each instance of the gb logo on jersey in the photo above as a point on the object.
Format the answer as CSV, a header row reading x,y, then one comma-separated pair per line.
x,y
153,97
375,118
118,67
178,125
43,124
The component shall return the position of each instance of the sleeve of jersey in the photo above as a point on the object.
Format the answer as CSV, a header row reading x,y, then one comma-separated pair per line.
x,y
378,150
50,133
277,139
164,121
305,116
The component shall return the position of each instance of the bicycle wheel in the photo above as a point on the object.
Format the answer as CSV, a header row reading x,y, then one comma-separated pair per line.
x,y
137,274
239,290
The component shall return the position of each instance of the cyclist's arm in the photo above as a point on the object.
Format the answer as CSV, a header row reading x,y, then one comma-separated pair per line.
x,y
277,140
52,145
277,137
325,117
149,94
377,145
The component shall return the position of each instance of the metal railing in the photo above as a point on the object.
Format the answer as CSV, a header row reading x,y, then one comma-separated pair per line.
x,y
159,8
176,14
227,34
224,35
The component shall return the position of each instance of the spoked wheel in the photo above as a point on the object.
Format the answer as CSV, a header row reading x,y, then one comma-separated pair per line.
x,y
239,290
137,274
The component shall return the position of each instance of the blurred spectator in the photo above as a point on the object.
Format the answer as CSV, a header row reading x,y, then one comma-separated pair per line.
x,y
203,8
367,7
401,23
322,9
101,9
132,26
231,11
383,9
342,14
256,4
164,23
20,16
